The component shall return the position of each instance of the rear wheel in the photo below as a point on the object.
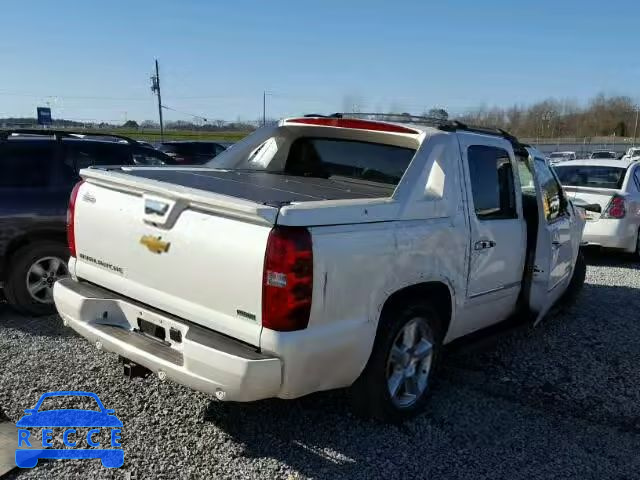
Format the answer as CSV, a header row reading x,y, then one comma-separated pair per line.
x,y
32,272
637,252
396,383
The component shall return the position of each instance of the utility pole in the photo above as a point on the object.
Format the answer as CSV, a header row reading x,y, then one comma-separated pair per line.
x,y
264,106
635,129
155,88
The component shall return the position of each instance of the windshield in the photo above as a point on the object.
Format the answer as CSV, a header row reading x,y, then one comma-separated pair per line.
x,y
603,155
559,155
591,176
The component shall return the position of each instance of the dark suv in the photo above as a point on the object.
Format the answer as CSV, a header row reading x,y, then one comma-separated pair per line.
x,y
38,170
192,152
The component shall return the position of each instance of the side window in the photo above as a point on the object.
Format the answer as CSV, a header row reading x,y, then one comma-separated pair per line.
x,y
525,174
551,191
88,154
492,182
636,176
148,156
26,164
219,149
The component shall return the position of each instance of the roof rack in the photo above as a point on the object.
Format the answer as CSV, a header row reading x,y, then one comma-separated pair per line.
x,y
436,122
59,134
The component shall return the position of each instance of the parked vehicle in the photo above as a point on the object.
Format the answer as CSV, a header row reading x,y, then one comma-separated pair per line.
x,y
191,152
615,186
319,253
557,157
632,154
603,154
37,172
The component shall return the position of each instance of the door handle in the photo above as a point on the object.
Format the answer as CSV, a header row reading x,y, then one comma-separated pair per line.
x,y
484,244
555,244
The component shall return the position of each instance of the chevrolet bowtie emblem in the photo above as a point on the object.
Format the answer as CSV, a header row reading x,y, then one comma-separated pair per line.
x,y
154,244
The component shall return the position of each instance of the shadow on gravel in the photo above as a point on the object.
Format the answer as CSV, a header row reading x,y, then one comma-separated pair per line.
x,y
318,436
604,258
315,435
50,325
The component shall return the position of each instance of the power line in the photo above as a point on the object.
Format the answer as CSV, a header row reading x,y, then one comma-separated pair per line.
x,y
184,113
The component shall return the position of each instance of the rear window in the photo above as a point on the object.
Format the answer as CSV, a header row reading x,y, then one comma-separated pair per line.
x,y
603,155
326,158
591,176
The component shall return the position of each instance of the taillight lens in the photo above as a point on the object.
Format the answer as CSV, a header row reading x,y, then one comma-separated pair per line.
x,y
71,211
616,208
287,280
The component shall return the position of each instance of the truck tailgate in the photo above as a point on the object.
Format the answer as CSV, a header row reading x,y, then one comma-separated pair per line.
x,y
193,254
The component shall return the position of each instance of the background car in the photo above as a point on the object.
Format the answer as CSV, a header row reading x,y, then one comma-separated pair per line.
x,y
37,172
603,154
557,157
632,154
615,186
192,152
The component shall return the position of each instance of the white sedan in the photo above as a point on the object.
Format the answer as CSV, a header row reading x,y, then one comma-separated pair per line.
x,y
615,186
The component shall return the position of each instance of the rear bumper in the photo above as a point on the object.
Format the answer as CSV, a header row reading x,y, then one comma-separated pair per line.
x,y
203,360
611,233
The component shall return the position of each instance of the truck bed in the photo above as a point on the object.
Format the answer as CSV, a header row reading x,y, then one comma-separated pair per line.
x,y
273,189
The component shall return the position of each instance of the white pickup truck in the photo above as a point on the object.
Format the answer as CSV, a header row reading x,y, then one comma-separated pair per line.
x,y
320,253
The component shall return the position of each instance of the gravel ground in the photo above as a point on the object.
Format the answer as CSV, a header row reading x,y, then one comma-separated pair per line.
x,y
558,401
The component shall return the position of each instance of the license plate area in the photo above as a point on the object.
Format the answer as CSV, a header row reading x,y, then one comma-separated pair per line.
x,y
152,330
154,325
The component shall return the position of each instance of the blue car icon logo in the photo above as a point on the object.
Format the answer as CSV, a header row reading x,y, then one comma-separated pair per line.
x,y
69,419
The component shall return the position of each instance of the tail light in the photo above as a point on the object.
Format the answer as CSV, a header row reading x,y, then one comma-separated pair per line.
x,y
287,279
71,213
616,208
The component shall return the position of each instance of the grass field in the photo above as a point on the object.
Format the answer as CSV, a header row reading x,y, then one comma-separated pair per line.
x,y
154,135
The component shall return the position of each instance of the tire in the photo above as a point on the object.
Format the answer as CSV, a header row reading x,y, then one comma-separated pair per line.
x,y
636,254
371,394
23,269
570,296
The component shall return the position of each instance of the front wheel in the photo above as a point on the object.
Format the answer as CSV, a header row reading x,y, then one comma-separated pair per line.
x,y
396,383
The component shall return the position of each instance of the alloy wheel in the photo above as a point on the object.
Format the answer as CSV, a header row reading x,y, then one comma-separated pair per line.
x,y
409,363
41,276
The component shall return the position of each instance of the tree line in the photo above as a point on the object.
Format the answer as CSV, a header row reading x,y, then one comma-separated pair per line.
x,y
552,118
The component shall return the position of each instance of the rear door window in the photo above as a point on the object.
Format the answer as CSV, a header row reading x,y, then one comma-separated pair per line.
x,y
331,158
26,164
85,154
492,182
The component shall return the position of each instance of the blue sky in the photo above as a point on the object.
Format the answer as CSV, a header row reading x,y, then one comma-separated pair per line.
x,y
92,60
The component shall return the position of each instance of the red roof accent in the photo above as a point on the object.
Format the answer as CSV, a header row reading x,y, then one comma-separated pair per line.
x,y
353,123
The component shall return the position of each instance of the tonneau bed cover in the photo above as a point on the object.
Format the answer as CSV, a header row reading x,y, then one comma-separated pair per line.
x,y
266,188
